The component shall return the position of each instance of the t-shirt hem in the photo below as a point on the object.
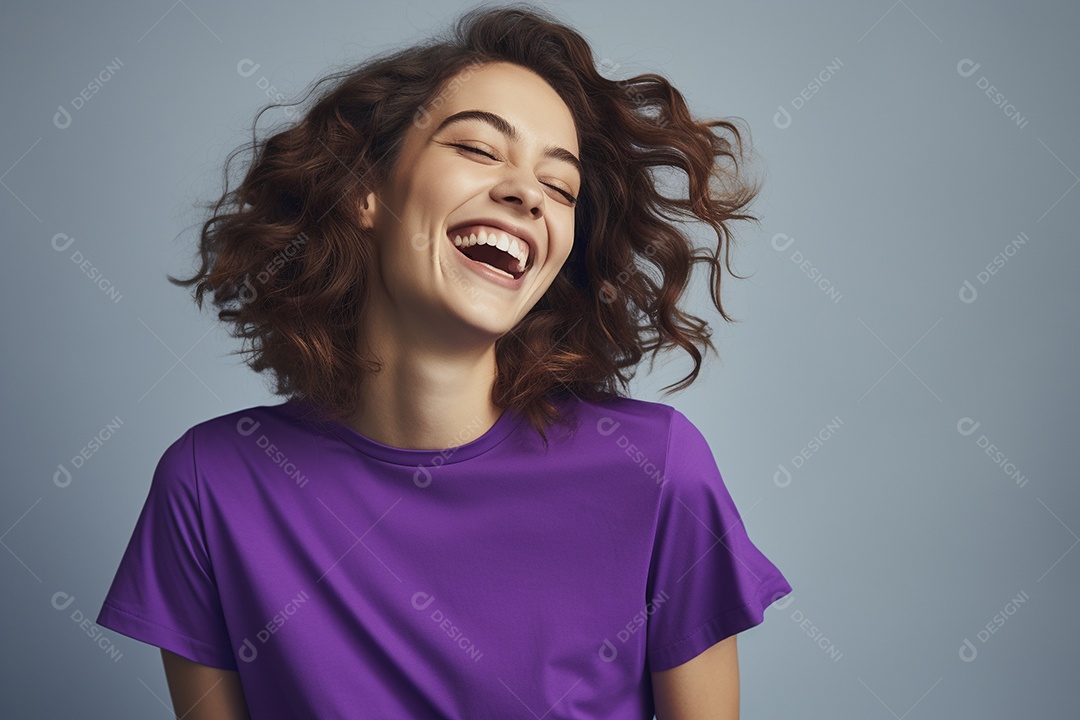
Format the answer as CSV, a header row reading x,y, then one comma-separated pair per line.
x,y
127,623
730,622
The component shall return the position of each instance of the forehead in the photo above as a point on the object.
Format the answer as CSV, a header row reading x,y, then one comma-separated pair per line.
x,y
518,94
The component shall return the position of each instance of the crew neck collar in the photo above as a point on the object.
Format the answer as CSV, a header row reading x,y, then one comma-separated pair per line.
x,y
505,424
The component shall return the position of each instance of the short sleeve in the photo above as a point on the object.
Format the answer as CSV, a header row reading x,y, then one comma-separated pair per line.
x,y
707,580
164,592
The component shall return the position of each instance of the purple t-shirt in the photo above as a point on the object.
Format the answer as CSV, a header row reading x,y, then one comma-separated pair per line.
x,y
344,578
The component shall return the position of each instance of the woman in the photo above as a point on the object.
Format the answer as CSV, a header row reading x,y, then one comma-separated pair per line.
x,y
446,264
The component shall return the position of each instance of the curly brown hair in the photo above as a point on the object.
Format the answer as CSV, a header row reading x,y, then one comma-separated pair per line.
x,y
289,265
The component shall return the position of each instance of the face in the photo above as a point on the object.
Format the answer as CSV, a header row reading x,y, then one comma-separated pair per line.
x,y
508,167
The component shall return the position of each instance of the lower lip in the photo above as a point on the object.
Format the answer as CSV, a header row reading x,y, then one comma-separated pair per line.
x,y
489,272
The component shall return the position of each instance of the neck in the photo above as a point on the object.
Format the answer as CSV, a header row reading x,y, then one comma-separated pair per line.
x,y
427,396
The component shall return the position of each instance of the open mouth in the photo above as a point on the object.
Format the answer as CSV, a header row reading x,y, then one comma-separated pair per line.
x,y
486,247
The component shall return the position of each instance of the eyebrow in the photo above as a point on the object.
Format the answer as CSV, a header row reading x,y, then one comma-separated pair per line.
x,y
500,123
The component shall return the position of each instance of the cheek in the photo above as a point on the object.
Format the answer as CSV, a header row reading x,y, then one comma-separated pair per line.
x,y
457,180
448,179
566,245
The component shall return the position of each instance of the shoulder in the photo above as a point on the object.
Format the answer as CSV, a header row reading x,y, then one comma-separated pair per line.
x,y
653,433
622,411
692,476
245,421
237,434
643,417
625,419
663,435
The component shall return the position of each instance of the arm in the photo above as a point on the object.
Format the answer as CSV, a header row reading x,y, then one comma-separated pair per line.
x,y
703,688
201,692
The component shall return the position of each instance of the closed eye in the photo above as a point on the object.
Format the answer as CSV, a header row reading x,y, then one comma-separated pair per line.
x,y
475,150
478,151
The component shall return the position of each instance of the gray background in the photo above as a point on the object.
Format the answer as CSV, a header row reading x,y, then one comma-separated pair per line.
x,y
897,181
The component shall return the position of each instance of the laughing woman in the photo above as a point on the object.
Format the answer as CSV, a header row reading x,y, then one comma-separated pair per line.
x,y
450,265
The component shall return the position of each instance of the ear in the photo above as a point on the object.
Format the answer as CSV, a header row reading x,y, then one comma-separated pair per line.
x,y
367,212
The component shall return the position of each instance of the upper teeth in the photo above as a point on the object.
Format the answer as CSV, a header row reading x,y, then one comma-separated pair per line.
x,y
497,238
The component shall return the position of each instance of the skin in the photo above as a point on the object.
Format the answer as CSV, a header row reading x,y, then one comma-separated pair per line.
x,y
200,692
431,319
703,688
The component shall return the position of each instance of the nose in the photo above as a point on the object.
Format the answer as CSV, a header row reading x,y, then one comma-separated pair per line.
x,y
521,191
